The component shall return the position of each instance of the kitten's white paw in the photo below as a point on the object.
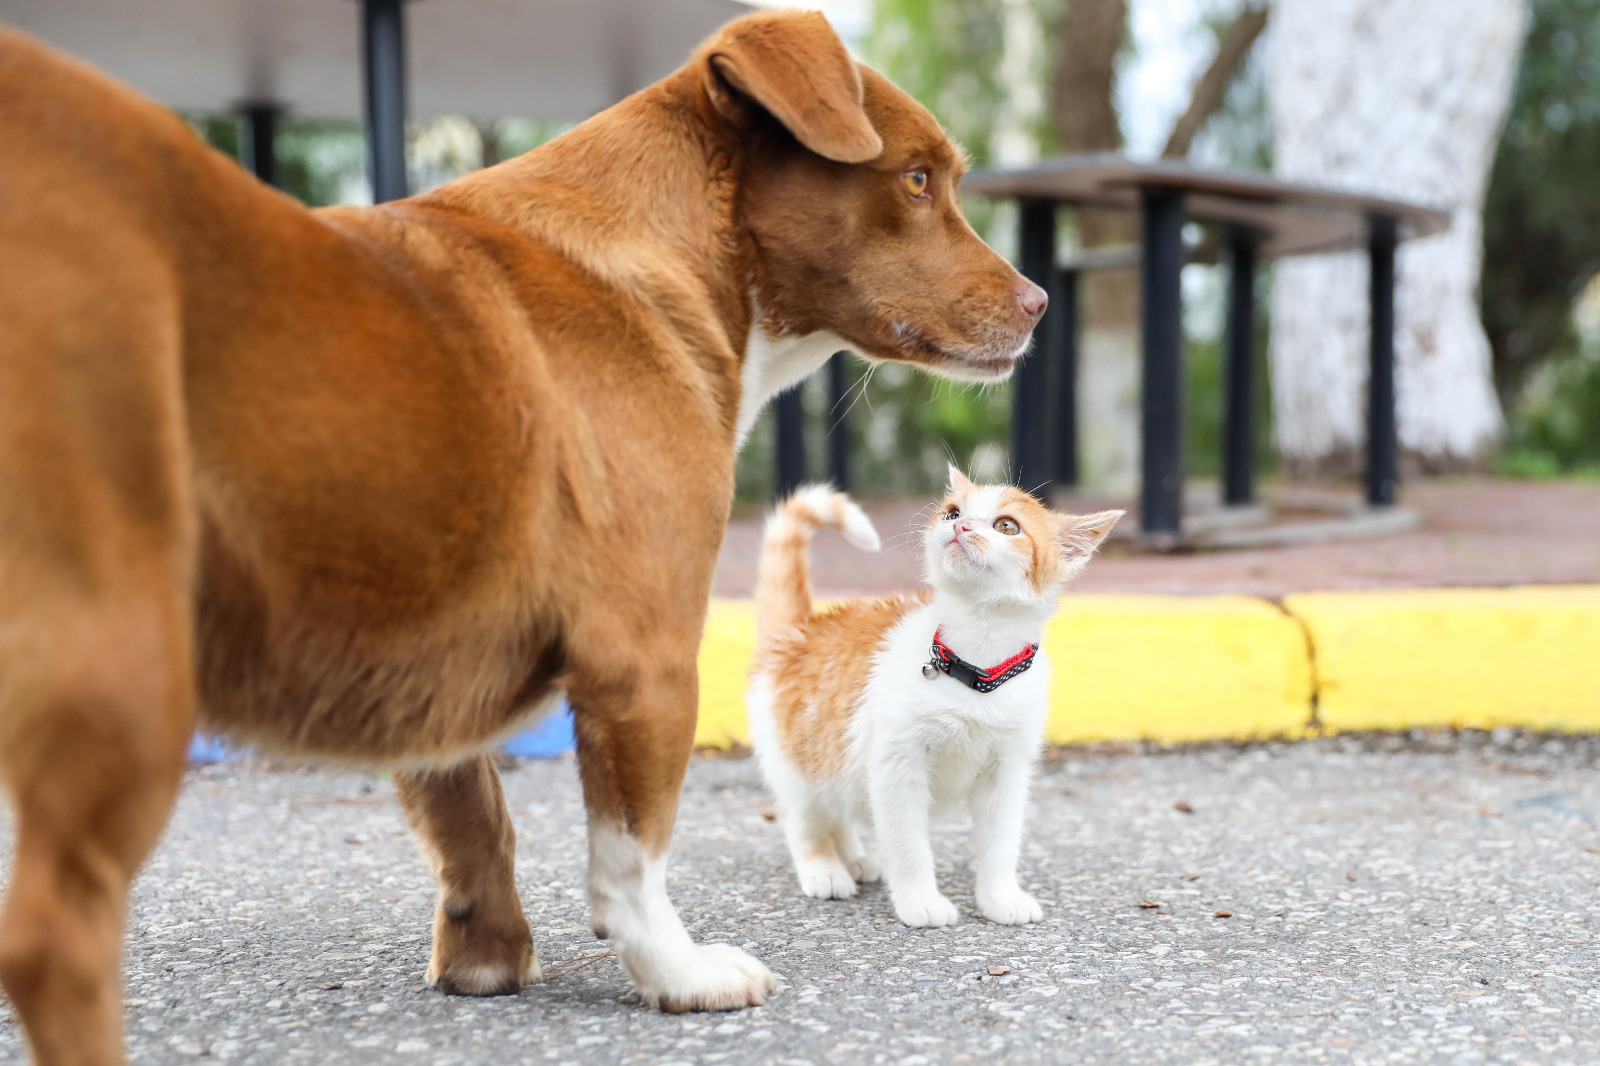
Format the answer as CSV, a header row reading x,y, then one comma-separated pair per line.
x,y
925,909
826,880
707,977
1010,907
866,868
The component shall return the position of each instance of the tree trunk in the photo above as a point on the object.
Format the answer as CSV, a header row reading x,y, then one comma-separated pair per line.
x,y
1085,120
1403,98
1084,116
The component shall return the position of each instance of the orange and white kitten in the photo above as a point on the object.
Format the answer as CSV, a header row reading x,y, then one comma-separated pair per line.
x,y
896,709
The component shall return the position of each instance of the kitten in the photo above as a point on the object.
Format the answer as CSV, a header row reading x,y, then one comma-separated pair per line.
x,y
897,708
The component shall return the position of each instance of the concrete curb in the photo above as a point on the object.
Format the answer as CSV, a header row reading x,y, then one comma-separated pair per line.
x,y
1177,669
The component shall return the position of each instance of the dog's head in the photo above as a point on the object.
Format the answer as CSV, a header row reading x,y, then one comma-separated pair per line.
x,y
848,190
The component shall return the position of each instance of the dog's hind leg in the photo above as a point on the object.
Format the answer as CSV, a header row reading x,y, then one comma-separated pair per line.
x,y
635,736
481,944
96,680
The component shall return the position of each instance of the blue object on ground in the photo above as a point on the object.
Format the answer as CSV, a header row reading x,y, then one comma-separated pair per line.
x,y
210,749
553,736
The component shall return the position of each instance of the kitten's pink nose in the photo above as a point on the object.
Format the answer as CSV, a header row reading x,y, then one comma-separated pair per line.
x,y
964,525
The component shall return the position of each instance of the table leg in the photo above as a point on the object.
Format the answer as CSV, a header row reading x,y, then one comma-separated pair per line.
x,y
838,427
791,450
1063,339
261,139
384,65
1239,372
1383,445
1161,323
1030,457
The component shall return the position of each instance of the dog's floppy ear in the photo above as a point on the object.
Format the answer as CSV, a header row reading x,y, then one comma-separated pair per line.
x,y
795,66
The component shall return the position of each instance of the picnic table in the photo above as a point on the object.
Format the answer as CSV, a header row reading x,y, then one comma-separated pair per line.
x,y
1259,218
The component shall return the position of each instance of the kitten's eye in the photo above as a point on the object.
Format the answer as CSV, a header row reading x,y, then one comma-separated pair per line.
x,y
952,514
916,182
1008,526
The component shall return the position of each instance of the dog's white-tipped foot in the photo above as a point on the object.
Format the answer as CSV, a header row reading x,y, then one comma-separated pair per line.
x,y
485,980
707,977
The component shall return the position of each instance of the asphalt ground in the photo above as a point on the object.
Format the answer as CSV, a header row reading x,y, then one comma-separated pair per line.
x,y
1431,899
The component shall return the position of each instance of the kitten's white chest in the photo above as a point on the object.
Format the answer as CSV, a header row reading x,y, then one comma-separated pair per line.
x,y
958,732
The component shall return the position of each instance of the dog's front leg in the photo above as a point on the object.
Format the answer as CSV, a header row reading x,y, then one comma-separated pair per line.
x,y
480,937
635,736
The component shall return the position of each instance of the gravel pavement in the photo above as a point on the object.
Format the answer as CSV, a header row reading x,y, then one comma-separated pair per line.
x,y
1430,899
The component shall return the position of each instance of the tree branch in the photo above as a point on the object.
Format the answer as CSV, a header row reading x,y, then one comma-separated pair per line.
x,y
1213,85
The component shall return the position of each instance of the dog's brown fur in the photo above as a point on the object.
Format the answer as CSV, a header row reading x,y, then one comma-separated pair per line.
x,y
373,484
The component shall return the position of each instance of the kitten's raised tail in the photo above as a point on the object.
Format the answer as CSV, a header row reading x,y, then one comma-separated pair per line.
x,y
783,588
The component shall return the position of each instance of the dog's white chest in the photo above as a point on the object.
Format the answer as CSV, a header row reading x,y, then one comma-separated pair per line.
x,y
774,363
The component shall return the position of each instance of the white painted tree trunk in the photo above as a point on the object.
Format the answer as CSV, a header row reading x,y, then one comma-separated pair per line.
x,y
1404,98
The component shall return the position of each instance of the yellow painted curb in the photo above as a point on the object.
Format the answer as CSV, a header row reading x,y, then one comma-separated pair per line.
x,y
1164,668
1175,669
726,652
1470,658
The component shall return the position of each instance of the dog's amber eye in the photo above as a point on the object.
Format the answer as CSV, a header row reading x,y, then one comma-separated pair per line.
x,y
916,182
952,514
1008,526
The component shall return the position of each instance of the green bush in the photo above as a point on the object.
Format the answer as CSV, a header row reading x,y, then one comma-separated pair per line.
x,y
1554,429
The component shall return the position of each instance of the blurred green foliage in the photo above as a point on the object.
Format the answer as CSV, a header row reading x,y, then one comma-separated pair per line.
x,y
319,163
1555,426
1542,244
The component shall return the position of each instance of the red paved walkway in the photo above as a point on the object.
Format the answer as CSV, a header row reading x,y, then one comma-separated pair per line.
x,y
1474,532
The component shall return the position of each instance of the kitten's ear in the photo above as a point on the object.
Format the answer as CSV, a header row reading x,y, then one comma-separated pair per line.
x,y
1082,534
958,480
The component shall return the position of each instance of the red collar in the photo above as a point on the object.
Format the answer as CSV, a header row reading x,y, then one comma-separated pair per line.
x,y
948,662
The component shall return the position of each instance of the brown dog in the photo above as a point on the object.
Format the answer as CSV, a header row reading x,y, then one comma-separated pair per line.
x,y
376,485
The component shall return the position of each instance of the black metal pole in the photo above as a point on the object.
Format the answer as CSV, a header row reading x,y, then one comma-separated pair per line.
x,y
838,427
383,41
791,450
1030,455
1239,372
1161,323
261,140
1064,388
1383,443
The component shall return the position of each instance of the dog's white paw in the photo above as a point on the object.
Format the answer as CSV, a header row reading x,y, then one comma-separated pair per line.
x,y
865,869
925,909
826,880
1010,907
706,977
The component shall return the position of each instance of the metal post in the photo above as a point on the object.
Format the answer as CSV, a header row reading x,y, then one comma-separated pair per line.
x,y
1239,372
1064,386
1030,456
383,41
261,140
1161,323
1383,444
838,428
791,450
